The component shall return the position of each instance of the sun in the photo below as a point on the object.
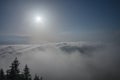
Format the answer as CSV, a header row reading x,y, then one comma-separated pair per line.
x,y
38,19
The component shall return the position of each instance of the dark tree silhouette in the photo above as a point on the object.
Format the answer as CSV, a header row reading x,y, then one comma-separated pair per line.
x,y
36,77
41,78
2,75
13,72
26,73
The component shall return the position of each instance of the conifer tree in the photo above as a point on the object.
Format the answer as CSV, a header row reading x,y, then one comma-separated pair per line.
x,y
36,77
26,73
2,75
41,78
13,72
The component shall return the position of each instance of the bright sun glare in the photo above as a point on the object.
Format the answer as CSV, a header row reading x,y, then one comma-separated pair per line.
x,y
38,19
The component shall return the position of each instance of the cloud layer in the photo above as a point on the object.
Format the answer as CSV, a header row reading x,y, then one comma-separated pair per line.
x,y
66,61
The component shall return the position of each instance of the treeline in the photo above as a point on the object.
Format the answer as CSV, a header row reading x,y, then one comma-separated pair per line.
x,y
13,73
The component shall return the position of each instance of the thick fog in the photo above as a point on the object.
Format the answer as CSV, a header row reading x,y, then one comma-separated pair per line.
x,y
66,60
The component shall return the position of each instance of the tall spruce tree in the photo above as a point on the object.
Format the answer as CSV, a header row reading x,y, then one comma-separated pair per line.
x,y
2,75
13,72
26,73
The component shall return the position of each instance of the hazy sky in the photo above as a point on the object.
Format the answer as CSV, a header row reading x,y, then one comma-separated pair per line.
x,y
63,20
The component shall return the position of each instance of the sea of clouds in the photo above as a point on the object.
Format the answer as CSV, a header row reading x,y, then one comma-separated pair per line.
x,y
66,60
